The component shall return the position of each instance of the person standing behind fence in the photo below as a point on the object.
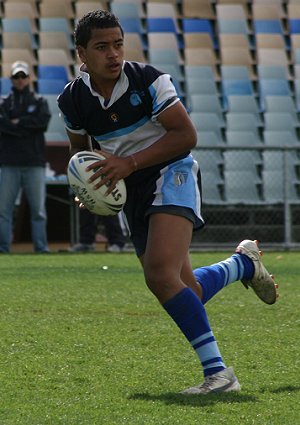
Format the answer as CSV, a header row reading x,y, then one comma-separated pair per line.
x,y
24,117
88,229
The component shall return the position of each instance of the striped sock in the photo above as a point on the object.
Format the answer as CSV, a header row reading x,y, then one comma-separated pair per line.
x,y
188,312
215,277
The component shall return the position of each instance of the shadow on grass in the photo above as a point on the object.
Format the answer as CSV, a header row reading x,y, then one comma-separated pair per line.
x,y
285,389
195,400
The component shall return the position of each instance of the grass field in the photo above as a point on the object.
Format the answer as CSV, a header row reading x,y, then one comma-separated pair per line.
x,y
84,342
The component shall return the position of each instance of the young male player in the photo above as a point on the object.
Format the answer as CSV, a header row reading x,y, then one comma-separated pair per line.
x,y
144,132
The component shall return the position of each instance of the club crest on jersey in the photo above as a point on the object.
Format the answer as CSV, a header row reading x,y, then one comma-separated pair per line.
x,y
180,178
114,117
135,98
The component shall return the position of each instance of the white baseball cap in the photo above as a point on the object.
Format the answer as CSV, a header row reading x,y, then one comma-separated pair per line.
x,y
19,66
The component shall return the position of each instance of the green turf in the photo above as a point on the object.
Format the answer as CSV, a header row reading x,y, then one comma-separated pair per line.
x,y
81,344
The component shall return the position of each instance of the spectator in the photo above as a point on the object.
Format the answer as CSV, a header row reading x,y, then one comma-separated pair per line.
x,y
88,229
24,117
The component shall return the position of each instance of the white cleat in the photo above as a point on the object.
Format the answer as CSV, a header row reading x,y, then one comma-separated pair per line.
x,y
221,382
262,282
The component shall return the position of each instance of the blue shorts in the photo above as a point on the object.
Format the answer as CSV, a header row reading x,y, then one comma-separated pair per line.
x,y
174,189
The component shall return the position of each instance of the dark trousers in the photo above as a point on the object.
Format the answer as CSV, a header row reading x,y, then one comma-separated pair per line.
x,y
89,224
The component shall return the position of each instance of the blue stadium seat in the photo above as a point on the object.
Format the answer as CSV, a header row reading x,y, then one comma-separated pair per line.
x,y
49,72
272,87
132,25
5,86
294,26
161,25
267,26
235,87
194,25
50,86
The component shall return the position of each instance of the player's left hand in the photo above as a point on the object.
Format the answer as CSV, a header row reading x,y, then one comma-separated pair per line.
x,y
111,170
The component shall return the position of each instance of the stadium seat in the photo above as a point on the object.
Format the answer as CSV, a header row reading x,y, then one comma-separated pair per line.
x,y
200,72
268,11
161,25
200,86
237,56
52,102
58,24
197,39
267,26
275,103
241,187
83,7
279,121
10,55
163,40
50,86
211,188
162,10
280,138
5,86
239,160
209,138
198,9
208,103
207,121
19,25
18,9
235,72
127,9
134,25
56,9
231,11
242,138
18,40
194,25
235,40
243,121
56,72
56,39
237,88
233,26
247,104
201,56
161,56
272,87
272,72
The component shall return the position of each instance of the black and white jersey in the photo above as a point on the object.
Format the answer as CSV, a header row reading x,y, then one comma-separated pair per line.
x,y
127,123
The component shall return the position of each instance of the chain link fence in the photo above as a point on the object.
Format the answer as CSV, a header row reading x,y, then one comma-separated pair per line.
x,y
249,192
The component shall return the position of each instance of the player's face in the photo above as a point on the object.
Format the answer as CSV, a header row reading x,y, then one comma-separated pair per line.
x,y
104,53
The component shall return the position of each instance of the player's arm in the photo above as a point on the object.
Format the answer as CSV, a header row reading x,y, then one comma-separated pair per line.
x,y
180,137
78,142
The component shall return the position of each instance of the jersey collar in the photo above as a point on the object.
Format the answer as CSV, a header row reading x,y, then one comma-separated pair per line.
x,y
118,91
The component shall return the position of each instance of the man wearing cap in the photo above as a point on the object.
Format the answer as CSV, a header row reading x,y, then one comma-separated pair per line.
x,y
24,117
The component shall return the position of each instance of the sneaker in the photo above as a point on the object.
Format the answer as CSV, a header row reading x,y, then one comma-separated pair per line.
x,y
82,247
221,382
114,248
262,282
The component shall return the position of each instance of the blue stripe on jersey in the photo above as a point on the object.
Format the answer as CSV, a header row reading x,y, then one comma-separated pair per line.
x,y
156,106
123,131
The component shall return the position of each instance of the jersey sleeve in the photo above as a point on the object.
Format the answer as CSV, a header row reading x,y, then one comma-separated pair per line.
x,y
163,94
67,105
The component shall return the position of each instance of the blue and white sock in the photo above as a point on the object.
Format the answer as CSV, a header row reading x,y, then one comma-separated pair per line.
x,y
215,277
188,312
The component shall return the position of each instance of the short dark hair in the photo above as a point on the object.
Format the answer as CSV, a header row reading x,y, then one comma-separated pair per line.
x,y
96,19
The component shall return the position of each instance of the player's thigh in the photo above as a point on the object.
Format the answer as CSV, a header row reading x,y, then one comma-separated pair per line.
x,y
169,238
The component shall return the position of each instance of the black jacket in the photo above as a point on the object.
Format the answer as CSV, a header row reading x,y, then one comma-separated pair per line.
x,y
23,144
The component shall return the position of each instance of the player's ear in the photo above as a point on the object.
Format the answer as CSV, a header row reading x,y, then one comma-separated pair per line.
x,y
81,53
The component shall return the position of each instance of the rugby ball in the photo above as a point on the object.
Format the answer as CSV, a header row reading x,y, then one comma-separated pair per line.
x,y
95,201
